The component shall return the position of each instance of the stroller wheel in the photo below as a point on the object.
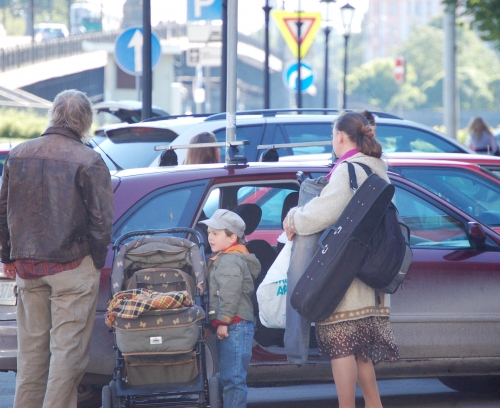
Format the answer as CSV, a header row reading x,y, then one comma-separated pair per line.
x,y
214,392
109,396
107,401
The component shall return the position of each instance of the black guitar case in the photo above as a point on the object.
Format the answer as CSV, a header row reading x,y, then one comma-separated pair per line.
x,y
342,249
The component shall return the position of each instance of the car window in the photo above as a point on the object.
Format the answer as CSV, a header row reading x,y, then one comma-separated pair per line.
x,y
251,133
134,147
163,210
302,133
472,193
429,225
269,197
407,139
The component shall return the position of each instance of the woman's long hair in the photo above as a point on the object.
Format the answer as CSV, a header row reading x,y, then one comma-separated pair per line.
x,y
358,129
477,126
203,155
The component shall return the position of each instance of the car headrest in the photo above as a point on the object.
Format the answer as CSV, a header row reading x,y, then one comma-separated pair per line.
x,y
251,214
291,200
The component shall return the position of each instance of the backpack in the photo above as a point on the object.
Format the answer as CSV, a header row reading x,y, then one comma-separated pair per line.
x,y
389,254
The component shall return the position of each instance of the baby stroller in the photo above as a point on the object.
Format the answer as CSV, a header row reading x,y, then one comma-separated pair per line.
x,y
158,312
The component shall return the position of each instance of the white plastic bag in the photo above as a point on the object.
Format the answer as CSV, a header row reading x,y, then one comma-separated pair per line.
x,y
271,294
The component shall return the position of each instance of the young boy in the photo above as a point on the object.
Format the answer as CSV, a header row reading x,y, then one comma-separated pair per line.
x,y
231,273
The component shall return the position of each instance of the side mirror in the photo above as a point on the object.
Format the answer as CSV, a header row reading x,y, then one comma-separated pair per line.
x,y
476,234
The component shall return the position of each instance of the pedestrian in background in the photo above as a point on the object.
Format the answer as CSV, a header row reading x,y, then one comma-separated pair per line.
x,y
481,139
56,210
203,155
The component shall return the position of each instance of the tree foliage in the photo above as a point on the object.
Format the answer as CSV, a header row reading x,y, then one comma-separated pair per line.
x,y
478,73
485,17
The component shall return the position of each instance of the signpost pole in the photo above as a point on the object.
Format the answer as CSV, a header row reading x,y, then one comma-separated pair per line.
x,y
147,74
223,68
232,52
267,98
299,79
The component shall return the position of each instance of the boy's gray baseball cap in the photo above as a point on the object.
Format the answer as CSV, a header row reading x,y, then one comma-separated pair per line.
x,y
225,219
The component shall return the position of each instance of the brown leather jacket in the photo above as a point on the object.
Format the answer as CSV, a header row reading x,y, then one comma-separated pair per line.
x,y
56,201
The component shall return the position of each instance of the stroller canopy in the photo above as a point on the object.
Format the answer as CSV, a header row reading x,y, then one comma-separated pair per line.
x,y
158,252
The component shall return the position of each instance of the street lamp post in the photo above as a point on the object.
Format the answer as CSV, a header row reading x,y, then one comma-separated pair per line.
x,y
267,98
347,13
327,35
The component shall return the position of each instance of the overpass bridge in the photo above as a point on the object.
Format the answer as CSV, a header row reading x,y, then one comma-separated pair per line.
x,y
83,62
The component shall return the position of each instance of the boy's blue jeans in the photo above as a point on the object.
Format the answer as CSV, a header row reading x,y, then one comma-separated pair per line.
x,y
235,352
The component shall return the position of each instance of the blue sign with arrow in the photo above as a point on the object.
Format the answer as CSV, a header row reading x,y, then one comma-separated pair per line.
x,y
128,50
291,76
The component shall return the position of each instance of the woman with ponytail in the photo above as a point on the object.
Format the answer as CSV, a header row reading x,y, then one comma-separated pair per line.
x,y
358,334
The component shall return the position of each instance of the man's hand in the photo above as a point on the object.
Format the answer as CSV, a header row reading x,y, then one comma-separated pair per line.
x,y
222,332
9,270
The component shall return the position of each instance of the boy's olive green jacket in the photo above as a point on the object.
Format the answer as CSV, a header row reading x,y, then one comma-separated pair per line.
x,y
230,281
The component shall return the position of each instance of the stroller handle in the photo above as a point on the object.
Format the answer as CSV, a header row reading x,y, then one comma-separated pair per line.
x,y
121,238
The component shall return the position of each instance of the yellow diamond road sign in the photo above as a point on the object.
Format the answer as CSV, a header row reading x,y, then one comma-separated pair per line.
x,y
288,25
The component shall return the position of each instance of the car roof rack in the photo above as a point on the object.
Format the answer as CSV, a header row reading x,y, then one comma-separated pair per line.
x,y
275,112
235,156
270,153
190,115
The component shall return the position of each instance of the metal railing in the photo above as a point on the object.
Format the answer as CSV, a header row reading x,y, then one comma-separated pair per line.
x,y
25,54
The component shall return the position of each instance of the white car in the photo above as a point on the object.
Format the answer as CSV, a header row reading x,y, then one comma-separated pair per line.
x,y
132,146
50,31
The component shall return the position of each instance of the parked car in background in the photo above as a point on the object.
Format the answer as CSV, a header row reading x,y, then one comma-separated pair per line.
x,y
445,316
470,182
132,146
50,31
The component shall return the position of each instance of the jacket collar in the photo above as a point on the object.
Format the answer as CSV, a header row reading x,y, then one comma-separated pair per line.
x,y
63,132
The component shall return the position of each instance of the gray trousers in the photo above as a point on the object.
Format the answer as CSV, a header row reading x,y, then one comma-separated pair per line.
x,y
55,318
303,248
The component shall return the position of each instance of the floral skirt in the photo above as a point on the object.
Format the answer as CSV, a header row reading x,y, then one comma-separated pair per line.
x,y
369,338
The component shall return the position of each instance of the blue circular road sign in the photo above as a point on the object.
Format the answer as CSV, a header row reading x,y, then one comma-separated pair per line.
x,y
291,76
128,50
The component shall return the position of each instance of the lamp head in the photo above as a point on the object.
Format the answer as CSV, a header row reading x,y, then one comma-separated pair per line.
x,y
347,13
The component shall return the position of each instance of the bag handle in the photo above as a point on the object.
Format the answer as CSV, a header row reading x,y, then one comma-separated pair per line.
x,y
352,174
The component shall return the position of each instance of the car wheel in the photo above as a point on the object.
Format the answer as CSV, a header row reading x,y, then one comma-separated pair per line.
x,y
89,396
477,384
214,394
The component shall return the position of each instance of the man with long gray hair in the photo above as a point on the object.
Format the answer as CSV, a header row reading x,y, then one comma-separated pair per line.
x,y
56,210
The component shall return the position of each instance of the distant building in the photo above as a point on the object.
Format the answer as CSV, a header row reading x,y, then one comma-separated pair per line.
x,y
389,23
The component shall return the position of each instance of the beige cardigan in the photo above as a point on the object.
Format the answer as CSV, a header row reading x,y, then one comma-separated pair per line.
x,y
321,212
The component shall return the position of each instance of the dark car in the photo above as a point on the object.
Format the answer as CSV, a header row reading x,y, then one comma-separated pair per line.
x,y
445,315
131,146
113,112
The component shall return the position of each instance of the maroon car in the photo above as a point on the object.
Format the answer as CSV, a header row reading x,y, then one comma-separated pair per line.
x,y
446,315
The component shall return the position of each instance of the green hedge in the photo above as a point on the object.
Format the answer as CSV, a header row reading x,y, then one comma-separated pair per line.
x,y
21,124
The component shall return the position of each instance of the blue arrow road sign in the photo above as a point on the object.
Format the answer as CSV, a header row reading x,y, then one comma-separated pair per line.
x,y
204,10
128,50
291,76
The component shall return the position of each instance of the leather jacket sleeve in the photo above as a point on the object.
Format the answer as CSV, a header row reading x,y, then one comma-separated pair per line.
x,y
4,229
97,195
